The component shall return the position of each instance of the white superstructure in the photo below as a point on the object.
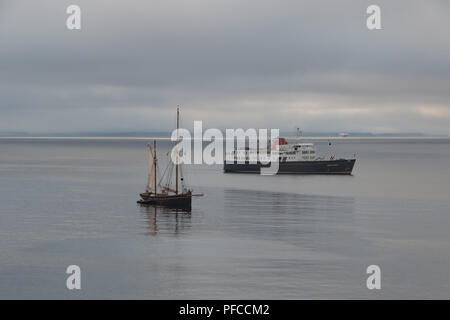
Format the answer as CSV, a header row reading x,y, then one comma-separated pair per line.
x,y
286,152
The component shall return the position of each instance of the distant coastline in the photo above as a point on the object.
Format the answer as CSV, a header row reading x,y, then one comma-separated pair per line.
x,y
166,135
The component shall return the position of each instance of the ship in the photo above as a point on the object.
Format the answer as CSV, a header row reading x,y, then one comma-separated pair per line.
x,y
178,196
297,158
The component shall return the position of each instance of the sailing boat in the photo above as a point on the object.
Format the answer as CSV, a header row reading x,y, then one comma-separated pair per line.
x,y
167,196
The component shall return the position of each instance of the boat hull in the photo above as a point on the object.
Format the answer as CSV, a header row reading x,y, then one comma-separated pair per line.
x,y
338,166
173,201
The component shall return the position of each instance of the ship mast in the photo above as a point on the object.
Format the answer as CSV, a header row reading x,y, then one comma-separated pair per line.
x,y
176,164
154,164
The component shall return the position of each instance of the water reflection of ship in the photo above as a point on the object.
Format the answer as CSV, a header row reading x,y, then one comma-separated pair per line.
x,y
288,216
165,220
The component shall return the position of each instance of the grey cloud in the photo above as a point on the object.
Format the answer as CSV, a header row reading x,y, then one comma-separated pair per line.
x,y
276,63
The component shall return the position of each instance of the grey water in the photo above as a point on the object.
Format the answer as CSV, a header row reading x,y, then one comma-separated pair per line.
x,y
73,202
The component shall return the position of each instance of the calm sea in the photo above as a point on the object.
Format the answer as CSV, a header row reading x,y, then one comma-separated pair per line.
x,y
73,201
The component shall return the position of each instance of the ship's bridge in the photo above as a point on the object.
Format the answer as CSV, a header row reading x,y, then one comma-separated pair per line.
x,y
298,152
303,145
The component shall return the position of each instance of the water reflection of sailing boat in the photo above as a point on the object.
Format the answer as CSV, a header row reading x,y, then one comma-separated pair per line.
x,y
163,219
167,195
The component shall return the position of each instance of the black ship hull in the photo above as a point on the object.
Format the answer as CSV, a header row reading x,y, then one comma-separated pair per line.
x,y
338,166
183,201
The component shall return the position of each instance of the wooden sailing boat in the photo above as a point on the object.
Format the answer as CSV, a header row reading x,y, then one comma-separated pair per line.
x,y
166,196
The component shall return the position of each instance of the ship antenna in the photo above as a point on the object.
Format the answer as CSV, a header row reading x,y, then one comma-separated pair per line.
x,y
176,164
154,166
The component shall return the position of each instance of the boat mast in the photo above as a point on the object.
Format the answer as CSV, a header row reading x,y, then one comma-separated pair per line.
x,y
154,163
176,164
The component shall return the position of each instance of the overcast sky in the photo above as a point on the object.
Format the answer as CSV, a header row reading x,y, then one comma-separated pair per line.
x,y
231,63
